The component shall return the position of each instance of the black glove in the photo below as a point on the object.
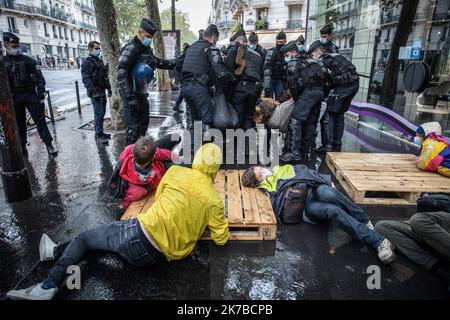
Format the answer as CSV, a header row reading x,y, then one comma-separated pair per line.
x,y
41,96
90,92
109,93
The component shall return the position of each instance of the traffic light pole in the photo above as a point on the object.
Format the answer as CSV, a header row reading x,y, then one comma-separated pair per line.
x,y
16,182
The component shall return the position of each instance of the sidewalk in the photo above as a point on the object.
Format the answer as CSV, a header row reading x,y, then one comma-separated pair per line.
x,y
70,196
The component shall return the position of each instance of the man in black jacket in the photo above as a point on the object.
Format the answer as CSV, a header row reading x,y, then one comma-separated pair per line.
x,y
203,68
305,79
136,106
27,86
247,66
253,41
325,39
275,69
344,82
95,79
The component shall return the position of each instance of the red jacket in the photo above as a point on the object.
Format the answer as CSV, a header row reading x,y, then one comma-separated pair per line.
x,y
128,172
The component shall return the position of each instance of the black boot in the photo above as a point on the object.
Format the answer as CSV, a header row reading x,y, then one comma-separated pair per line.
x,y
294,142
106,135
326,133
101,139
51,150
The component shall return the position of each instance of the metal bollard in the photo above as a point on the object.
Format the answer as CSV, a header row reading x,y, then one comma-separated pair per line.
x,y
50,108
77,89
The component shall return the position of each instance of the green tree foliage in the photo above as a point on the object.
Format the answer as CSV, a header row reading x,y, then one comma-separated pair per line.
x,y
129,13
182,24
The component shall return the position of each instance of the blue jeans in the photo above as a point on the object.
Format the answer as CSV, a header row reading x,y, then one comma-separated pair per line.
x,y
327,204
276,88
99,105
123,237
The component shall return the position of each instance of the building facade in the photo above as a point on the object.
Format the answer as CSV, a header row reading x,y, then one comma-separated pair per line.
x,y
265,17
365,32
50,28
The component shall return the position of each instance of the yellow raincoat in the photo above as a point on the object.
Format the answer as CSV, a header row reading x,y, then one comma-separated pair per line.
x,y
186,203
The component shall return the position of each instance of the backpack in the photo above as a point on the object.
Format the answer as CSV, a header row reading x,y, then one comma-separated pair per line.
x,y
116,185
294,203
434,202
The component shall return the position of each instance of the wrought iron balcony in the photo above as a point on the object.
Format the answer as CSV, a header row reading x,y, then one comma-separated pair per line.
x,y
294,24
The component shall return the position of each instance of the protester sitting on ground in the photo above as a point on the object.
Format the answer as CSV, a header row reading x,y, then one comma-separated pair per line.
x,y
435,150
314,198
186,204
143,167
425,238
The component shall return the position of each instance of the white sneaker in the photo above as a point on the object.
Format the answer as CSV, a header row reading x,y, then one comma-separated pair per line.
x,y
370,225
46,248
32,293
386,252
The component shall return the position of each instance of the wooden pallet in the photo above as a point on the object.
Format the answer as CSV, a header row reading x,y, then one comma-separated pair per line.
x,y
248,210
394,178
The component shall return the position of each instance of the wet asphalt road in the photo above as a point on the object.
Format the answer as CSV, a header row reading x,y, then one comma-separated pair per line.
x,y
70,196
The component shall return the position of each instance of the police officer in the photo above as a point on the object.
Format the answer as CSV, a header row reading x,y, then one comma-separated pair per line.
x,y
301,47
95,79
254,45
27,86
136,106
179,77
305,79
325,39
275,69
345,85
203,68
247,66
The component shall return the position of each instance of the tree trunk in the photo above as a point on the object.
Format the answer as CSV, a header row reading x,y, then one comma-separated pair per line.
x,y
404,27
163,80
106,16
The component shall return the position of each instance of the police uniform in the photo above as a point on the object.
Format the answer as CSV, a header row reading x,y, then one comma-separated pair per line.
x,y
248,84
345,85
305,79
95,79
203,67
253,37
329,46
136,106
275,71
27,86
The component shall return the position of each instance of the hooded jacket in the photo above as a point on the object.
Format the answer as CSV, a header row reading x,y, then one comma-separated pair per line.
x,y
186,203
129,173
286,176
435,152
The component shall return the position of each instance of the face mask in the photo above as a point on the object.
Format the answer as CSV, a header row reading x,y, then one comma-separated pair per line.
x,y
301,48
265,173
287,59
96,52
13,52
418,141
279,46
146,42
253,46
323,41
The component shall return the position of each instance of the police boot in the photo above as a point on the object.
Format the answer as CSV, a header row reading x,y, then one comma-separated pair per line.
x,y
99,138
51,150
326,132
131,137
294,142
339,127
106,136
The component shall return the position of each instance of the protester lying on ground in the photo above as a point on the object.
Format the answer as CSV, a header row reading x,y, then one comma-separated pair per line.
x,y
425,238
435,150
186,203
298,193
143,166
